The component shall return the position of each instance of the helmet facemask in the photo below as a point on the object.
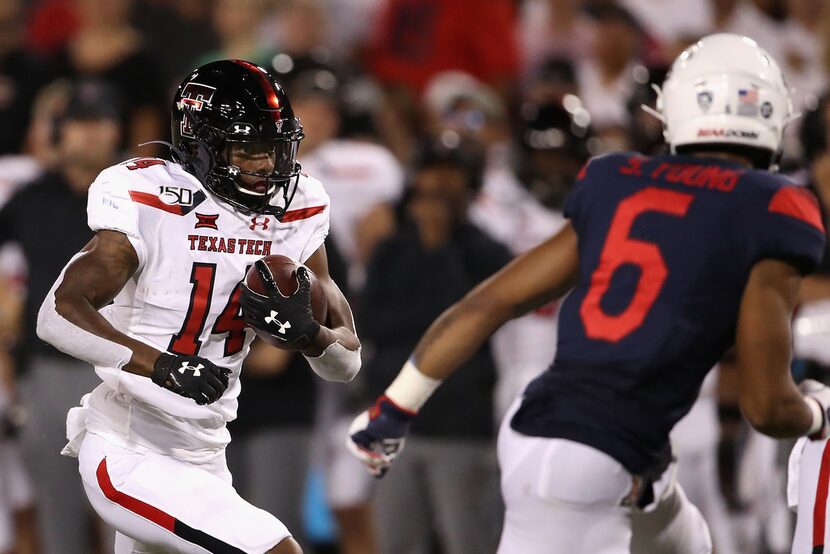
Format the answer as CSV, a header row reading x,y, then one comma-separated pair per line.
x,y
248,172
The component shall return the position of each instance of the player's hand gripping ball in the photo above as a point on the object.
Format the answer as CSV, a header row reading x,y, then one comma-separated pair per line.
x,y
283,301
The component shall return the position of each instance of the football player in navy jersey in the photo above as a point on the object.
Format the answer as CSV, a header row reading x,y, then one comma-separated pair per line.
x,y
670,260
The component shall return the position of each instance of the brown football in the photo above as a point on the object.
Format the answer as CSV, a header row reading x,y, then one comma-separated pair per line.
x,y
284,270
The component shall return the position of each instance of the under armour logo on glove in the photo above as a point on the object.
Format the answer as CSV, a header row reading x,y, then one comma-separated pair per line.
x,y
194,368
272,319
193,377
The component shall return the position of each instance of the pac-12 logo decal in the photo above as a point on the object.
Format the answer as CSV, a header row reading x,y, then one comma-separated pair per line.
x,y
261,224
195,96
704,100
206,221
175,195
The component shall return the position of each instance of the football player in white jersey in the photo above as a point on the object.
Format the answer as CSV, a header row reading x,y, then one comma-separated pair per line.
x,y
153,302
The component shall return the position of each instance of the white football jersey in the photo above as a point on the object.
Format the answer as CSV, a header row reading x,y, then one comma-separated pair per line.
x,y
193,252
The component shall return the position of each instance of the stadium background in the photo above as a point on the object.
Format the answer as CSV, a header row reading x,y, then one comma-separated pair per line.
x,y
513,96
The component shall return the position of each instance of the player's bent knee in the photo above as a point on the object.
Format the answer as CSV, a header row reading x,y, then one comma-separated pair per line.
x,y
286,546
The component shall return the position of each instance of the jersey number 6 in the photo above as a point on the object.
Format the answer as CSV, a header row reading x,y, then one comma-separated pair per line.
x,y
621,249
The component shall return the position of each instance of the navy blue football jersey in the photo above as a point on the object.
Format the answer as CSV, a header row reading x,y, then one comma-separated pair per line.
x,y
666,246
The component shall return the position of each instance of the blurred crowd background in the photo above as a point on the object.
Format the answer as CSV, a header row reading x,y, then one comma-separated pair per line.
x,y
447,133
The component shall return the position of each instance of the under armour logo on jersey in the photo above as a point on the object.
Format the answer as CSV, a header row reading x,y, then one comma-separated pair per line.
x,y
272,319
263,224
196,369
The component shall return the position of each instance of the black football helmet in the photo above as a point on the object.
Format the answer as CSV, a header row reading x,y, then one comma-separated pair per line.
x,y
234,105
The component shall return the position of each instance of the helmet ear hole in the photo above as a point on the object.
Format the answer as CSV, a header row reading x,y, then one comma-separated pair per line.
x,y
211,136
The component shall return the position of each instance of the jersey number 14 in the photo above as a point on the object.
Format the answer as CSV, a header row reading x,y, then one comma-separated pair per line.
x,y
230,321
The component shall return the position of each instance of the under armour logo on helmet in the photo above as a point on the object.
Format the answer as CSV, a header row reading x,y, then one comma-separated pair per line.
x,y
196,369
255,224
242,129
272,319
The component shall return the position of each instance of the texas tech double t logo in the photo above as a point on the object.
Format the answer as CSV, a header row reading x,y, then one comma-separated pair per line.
x,y
194,97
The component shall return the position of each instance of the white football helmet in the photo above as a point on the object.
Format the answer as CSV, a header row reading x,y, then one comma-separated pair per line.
x,y
725,89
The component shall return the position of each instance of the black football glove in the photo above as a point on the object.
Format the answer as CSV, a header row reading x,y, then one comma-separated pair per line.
x,y
287,318
191,376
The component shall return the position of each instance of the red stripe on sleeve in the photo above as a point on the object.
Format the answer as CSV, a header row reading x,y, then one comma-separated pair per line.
x,y
798,202
154,201
302,213
134,505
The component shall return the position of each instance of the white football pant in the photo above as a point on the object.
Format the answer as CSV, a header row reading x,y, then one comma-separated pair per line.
x,y
159,503
563,497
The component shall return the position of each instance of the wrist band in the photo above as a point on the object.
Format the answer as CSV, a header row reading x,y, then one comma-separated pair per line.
x,y
411,388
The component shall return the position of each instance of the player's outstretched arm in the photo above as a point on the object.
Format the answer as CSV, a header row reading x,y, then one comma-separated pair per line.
x,y
334,354
528,282
69,319
768,397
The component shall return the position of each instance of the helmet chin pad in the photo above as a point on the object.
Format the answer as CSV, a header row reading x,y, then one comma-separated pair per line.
x,y
245,190
224,182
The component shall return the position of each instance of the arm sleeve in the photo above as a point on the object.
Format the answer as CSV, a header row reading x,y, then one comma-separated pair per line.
x,y
109,207
793,229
